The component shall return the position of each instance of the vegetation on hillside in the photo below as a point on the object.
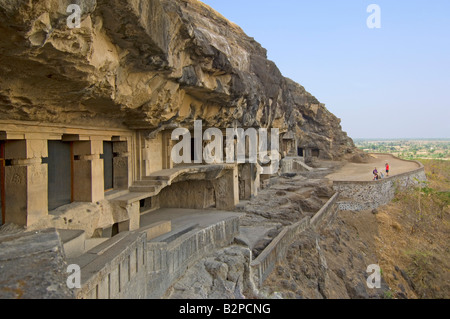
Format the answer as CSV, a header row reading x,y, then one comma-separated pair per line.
x,y
413,242
408,148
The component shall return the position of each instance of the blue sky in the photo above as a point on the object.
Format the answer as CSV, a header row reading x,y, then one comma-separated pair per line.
x,y
392,82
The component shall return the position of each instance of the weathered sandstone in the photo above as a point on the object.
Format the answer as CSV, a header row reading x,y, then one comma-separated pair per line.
x,y
147,64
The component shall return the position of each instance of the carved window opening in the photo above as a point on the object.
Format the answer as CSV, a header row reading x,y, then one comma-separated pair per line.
x,y
108,165
60,173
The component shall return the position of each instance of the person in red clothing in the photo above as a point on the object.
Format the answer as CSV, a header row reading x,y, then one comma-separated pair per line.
x,y
387,169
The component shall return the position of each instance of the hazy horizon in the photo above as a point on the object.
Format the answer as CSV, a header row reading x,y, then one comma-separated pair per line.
x,y
392,81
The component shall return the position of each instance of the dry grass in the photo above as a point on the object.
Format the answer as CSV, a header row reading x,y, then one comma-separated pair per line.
x,y
413,242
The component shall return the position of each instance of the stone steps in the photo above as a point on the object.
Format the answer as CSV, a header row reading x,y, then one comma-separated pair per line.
x,y
148,185
149,182
75,243
165,177
115,194
143,189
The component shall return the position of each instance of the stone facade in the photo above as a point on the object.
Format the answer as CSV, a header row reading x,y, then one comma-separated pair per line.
x,y
142,171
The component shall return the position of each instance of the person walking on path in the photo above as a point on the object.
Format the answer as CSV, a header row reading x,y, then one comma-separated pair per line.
x,y
387,169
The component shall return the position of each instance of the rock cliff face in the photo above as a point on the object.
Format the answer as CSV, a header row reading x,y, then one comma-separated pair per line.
x,y
143,64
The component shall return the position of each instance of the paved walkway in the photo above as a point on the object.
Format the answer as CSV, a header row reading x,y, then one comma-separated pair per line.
x,y
363,172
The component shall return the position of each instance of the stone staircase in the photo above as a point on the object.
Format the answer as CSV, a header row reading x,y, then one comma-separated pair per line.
x,y
75,242
149,184
153,184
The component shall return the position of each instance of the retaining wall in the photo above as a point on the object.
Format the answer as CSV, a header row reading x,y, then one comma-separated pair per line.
x,y
329,208
169,261
115,272
364,195
264,264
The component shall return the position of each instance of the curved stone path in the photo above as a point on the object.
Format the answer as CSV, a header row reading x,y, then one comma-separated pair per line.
x,y
363,171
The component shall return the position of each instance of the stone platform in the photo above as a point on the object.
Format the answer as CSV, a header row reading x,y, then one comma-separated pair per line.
x,y
361,172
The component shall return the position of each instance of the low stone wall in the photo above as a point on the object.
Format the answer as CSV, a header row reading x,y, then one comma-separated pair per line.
x,y
116,272
360,195
294,165
329,208
169,261
264,264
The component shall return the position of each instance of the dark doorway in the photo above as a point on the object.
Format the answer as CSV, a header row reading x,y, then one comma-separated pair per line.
x,y
192,150
2,183
145,205
108,167
115,230
315,153
59,174
300,152
196,150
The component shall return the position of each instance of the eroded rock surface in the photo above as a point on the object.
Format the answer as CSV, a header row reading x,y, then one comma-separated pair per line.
x,y
145,64
223,275
32,266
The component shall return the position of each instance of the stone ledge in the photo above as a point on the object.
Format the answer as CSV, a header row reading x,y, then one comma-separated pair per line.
x,y
32,266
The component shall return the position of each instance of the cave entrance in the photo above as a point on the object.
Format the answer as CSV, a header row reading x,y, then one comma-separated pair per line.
x,y
192,150
60,174
108,165
315,152
196,150
2,182
300,152
146,205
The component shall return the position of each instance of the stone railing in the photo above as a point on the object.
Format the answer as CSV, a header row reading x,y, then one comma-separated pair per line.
x,y
365,195
169,261
329,208
264,264
116,269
